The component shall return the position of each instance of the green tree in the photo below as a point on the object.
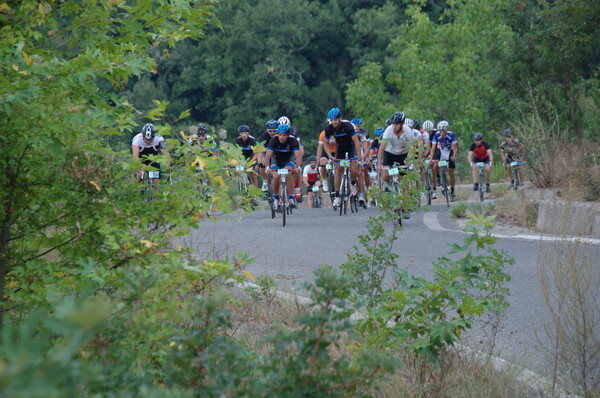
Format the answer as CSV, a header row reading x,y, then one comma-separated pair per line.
x,y
68,201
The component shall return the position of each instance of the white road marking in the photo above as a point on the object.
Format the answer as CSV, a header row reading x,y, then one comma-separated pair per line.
x,y
430,219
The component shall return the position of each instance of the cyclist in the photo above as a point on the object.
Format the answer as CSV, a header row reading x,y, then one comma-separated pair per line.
x,y
205,142
480,152
512,150
294,133
363,137
322,156
148,143
281,153
395,144
444,146
310,177
247,143
347,142
264,139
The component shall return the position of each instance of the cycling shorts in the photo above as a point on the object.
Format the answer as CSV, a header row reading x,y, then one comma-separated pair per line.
x,y
389,159
451,164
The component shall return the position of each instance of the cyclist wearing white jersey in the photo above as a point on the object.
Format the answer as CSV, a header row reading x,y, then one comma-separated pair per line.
x,y
148,143
444,146
395,144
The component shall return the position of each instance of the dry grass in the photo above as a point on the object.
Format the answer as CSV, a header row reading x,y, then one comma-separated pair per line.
x,y
517,208
457,374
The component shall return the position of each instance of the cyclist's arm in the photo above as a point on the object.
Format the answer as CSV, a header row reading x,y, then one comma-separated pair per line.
x,y
357,146
432,150
382,146
267,160
319,150
136,151
490,155
455,150
502,155
470,157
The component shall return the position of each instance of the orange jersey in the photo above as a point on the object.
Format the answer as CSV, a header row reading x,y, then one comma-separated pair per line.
x,y
332,144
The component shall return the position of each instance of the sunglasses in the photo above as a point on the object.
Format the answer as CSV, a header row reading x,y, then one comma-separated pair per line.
x,y
271,130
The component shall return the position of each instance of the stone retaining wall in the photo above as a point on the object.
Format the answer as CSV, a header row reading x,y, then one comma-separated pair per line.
x,y
569,218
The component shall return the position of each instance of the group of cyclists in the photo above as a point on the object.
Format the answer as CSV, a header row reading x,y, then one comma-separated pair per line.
x,y
280,147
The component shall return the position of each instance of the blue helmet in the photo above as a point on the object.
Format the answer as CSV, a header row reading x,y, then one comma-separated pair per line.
x,y
378,131
356,121
283,129
243,129
334,113
271,124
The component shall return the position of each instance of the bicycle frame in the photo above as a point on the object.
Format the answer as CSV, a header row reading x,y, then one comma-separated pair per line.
x,y
481,166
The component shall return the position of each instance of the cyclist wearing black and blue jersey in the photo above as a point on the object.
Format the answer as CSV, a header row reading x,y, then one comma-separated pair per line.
x,y
281,153
247,143
264,139
346,143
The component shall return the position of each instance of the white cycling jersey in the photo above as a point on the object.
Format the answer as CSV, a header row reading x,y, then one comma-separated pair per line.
x,y
398,145
157,143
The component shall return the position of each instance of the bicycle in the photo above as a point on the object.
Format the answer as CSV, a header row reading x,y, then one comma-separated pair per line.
x,y
345,188
150,187
316,197
284,208
516,179
428,183
395,190
443,170
481,165
330,181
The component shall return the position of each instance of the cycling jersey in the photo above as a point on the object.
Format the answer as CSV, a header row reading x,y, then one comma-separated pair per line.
x,y
375,147
265,138
283,153
312,174
209,144
343,137
480,152
425,136
363,135
513,150
398,145
152,148
247,146
444,144
330,142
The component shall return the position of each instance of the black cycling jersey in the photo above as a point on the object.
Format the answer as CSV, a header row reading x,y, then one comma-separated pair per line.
x,y
247,146
283,152
343,138
265,138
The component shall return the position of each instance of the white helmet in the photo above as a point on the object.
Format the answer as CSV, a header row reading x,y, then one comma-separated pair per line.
x,y
427,125
408,122
284,120
443,125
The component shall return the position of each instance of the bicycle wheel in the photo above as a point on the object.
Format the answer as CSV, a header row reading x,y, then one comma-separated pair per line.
x,y
428,187
516,178
481,185
343,194
396,193
445,188
284,200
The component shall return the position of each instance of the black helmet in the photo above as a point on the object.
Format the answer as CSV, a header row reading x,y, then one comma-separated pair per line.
x,y
477,136
388,122
202,130
508,133
148,131
397,117
312,159
243,129
416,124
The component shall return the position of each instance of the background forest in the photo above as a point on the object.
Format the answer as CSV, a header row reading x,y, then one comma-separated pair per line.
x,y
483,66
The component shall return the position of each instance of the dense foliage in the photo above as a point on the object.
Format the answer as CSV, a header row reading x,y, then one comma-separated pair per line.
x,y
476,64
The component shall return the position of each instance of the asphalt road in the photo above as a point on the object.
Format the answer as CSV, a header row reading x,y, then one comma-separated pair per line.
x,y
320,236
